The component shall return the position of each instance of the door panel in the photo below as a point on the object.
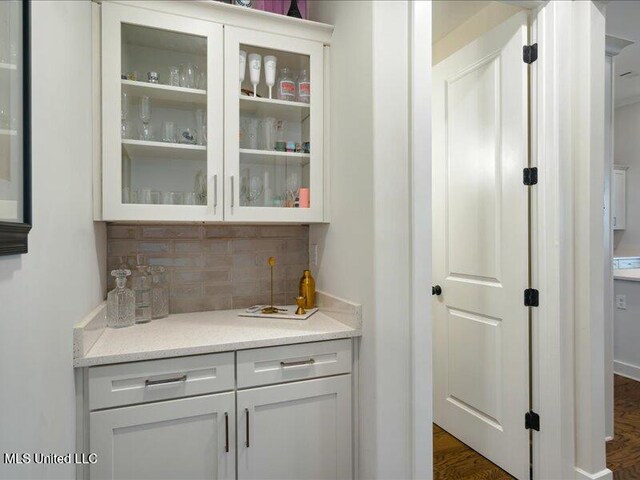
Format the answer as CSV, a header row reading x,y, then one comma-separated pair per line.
x,y
480,245
184,439
297,431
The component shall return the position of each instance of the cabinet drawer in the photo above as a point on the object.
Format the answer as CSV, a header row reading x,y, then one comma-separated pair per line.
x,y
150,381
264,366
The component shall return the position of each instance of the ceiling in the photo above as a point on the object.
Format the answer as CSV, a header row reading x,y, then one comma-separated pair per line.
x,y
447,15
623,21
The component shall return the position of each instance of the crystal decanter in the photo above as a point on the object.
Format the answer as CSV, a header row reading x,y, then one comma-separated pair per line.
x,y
121,302
159,292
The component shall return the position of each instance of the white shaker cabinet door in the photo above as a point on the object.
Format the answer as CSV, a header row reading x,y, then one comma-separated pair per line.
x,y
191,438
298,431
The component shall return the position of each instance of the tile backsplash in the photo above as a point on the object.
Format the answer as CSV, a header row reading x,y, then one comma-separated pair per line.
x,y
216,267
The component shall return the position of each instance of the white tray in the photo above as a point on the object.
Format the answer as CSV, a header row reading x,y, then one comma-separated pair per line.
x,y
289,314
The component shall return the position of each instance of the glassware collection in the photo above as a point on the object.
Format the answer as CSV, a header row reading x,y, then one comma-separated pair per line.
x,y
187,75
148,299
169,133
289,87
147,196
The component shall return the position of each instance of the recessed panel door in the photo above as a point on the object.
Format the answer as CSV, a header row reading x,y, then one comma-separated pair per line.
x,y
480,245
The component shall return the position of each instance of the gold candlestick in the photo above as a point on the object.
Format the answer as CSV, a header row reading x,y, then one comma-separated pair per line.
x,y
300,302
271,309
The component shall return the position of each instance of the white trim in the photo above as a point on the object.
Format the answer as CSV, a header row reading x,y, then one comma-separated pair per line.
x,y
605,474
626,370
623,102
420,171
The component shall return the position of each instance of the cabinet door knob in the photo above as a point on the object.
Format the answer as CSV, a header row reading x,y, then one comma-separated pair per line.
x,y
436,290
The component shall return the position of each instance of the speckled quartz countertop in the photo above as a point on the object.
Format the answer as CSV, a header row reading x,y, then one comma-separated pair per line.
x,y
206,332
631,274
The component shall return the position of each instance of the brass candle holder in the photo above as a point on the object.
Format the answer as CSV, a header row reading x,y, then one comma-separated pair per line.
x,y
271,309
300,301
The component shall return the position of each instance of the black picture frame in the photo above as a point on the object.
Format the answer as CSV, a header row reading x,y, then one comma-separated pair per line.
x,y
14,236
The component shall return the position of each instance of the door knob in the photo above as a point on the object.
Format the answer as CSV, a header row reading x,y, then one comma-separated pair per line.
x,y
436,290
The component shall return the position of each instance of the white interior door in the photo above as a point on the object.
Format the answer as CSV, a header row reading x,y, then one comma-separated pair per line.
x,y
480,246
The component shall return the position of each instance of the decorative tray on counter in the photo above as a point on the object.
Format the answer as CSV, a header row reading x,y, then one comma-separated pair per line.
x,y
287,312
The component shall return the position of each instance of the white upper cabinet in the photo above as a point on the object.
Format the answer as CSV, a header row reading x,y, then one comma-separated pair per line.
x,y
619,198
273,139
180,142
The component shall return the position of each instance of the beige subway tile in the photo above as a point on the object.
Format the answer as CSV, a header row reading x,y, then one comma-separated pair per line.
x,y
202,276
296,258
203,304
187,246
238,231
182,261
285,231
220,289
121,247
271,245
216,246
296,245
177,231
123,231
244,260
217,260
154,247
185,290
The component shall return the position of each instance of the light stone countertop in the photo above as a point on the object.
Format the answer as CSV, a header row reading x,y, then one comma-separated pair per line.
x,y
207,332
630,274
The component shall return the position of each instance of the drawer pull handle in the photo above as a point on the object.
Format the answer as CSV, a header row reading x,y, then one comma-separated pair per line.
x,y
246,410
151,383
226,432
300,363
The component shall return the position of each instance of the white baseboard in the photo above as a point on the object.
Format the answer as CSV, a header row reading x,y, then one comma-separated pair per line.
x,y
627,370
605,474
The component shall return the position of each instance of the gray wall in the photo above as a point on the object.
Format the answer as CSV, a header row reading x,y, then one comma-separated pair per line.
x,y
43,293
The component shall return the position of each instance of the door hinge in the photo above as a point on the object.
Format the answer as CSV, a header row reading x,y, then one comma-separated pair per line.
x,y
531,297
530,176
530,53
532,421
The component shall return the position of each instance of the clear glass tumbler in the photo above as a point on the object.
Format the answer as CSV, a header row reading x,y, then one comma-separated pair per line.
x,y
159,292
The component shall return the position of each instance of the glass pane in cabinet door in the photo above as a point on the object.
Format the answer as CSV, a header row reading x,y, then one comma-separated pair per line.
x,y
164,117
274,129
11,114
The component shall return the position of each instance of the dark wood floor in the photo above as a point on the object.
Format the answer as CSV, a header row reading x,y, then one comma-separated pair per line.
x,y
623,452
453,460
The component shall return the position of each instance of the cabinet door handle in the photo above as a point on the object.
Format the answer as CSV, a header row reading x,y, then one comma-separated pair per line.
x,y
311,361
246,411
226,432
233,193
615,221
215,190
165,381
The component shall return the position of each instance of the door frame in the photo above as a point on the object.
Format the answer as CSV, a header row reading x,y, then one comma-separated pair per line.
x,y
564,447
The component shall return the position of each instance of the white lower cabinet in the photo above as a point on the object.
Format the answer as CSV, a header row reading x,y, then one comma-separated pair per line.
x,y
297,431
189,438
281,412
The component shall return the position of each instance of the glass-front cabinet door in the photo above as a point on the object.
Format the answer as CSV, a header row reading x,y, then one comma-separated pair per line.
x,y
162,116
273,128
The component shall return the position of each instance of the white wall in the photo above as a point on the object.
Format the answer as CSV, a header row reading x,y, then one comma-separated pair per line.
x,y
364,252
627,331
43,293
627,152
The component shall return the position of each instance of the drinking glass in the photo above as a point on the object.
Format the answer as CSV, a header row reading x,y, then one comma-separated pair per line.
x,y
145,117
201,78
201,127
145,196
168,132
256,187
270,63
249,128
243,66
267,133
255,60
124,113
187,75
174,76
190,198
172,198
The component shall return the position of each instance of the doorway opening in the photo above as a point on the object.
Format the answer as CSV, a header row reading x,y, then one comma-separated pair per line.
x,y
622,239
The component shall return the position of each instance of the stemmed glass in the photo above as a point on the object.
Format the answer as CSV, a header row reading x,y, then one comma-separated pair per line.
x,y
145,117
243,67
270,63
255,60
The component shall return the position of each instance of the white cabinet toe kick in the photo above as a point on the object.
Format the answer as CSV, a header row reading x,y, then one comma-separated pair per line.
x,y
275,412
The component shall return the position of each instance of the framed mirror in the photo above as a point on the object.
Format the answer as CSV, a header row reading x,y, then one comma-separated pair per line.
x,y
15,126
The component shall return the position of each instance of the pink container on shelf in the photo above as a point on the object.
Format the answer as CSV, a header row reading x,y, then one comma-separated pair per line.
x,y
304,197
